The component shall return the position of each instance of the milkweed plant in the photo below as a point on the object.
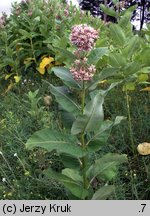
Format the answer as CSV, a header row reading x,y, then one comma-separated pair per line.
x,y
87,172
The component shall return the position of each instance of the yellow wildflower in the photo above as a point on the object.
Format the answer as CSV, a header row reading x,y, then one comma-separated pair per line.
x,y
44,63
17,78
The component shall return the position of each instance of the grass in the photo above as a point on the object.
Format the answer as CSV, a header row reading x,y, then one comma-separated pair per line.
x,y
135,176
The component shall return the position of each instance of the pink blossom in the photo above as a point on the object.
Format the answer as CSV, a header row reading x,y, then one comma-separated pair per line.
x,y
81,70
83,36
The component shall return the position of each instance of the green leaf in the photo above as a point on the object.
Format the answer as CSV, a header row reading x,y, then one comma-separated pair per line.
x,y
103,193
66,53
107,72
92,117
4,36
64,99
104,92
117,60
104,74
73,174
65,75
116,2
131,68
125,20
60,42
74,187
117,35
133,45
145,56
100,137
106,167
129,9
67,118
118,119
96,54
53,140
25,33
9,61
70,161
108,11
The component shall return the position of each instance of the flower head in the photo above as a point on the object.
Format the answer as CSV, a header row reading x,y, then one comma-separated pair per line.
x,y
83,36
81,70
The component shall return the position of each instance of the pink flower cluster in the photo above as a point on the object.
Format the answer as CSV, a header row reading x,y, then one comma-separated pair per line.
x,y
83,36
81,70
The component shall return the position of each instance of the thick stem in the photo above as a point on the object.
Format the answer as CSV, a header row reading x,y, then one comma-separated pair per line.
x,y
83,96
83,145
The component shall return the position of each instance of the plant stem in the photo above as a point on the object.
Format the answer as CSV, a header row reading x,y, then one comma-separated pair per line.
x,y
129,121
83,97
33,52
83,145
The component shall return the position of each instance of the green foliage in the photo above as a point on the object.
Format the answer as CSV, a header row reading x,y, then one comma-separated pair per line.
x,y
66,77
108,11
53,140
33,102
106,167
97,54
91,118
103,193
71,183
63,96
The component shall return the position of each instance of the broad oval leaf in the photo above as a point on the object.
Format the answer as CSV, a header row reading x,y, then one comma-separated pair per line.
x,y
66,53
117,34
70,161
131,68
25,33
106,167
103,193
125,20
73,174
92,117
64,99
96,54
100,137
53,140
133,46
108,11
74,187
104,74
117,60
65,75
